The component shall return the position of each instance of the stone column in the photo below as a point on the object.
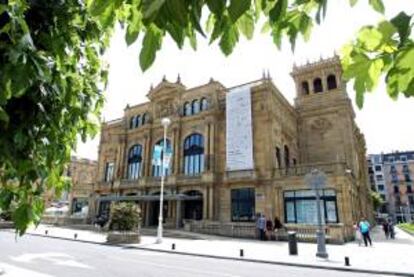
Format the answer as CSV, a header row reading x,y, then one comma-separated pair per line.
x,y
211,203
207,148
205,203
147,158
211,147
147,211
177,151
178,215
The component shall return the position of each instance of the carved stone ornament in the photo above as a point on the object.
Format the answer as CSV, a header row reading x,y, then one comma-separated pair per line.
x,y
165,109
321,126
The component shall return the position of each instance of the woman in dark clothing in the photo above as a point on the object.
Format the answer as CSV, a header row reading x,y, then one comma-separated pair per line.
x,y
386,229
277,227
269,228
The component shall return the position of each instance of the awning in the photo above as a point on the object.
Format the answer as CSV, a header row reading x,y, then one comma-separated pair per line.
x,y
149,197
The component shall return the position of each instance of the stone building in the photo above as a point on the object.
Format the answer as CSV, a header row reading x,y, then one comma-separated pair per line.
x,y
232,160
83,175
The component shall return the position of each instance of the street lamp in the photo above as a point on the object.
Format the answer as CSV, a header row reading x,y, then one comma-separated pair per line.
x,y
164,122
316,179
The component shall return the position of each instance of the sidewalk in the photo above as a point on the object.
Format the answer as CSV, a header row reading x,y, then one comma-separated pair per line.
x,y
385,256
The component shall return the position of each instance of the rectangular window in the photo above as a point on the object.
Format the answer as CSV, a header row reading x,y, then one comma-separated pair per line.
x,y
383,197
409,189
109,171
391,159
403,158
300,207
242,204
380,178
407,177
378,168
381,187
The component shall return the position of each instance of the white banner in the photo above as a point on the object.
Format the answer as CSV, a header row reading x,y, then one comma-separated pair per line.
x,y
239,135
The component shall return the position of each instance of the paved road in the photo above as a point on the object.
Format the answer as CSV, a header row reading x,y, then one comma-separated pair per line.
x,y
44,257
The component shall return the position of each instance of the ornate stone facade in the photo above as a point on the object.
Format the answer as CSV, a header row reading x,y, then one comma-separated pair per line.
x,y
319,131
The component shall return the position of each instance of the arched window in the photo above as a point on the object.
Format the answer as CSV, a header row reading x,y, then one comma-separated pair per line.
x,y
331,80
317,85
134,162
137,121
195,107
132,122
193,154
287,158
203,104
144,118
156,169
187,109
305,88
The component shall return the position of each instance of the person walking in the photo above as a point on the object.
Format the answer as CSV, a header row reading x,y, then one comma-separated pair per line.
x,y
258,225
364,226
277,227
391,229
269,229
386,229
262,226
358,235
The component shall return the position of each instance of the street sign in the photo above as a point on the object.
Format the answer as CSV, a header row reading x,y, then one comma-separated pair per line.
x,y
315,179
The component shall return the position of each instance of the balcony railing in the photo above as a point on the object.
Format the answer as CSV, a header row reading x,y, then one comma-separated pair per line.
x,y
303,169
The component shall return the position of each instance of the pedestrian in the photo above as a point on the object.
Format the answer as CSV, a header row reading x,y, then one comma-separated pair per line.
x,y
364,226
262,226
277,227
386,229
269,229
358,235
391,229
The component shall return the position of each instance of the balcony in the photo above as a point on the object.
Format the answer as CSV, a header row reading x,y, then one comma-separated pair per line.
x,y
300,170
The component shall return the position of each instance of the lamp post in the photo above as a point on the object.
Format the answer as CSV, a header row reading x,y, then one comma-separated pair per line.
x,y
316,179
164,122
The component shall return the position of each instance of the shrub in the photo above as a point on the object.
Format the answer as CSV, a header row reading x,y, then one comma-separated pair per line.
x,y
124,217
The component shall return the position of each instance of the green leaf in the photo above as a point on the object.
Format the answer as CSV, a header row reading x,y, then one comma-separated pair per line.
x,y
370,38
400,77
277,13
229,40
216,7
402,23
177,11
150,45
377,5
3,115
246,25
305,26
237,8
353,2
134,27
151,7
99,6
21,217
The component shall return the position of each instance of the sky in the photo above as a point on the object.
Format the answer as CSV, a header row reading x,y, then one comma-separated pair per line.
x,y
384,122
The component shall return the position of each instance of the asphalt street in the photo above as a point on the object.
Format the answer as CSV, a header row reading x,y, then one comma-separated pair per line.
x,y
33,256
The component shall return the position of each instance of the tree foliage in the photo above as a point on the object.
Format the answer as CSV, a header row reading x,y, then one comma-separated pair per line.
x,y
376,200
50,71
51,74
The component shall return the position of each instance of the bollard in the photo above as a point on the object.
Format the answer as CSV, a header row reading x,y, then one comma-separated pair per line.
x,y
241,253
173,246
46,232
347,261
293,244
75,236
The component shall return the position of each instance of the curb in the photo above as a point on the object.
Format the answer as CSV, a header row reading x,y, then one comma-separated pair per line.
x,y
332,268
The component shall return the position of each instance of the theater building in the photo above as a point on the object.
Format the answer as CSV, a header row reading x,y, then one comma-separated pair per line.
x,y
238,152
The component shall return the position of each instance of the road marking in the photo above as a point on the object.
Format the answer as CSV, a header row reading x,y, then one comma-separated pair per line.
x,y
14,271
215,273
59,259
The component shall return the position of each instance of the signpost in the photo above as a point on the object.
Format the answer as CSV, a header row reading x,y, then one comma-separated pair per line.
x,y
316,179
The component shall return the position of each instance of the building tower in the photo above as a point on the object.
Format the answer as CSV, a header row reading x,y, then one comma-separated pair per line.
x,y
328,134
